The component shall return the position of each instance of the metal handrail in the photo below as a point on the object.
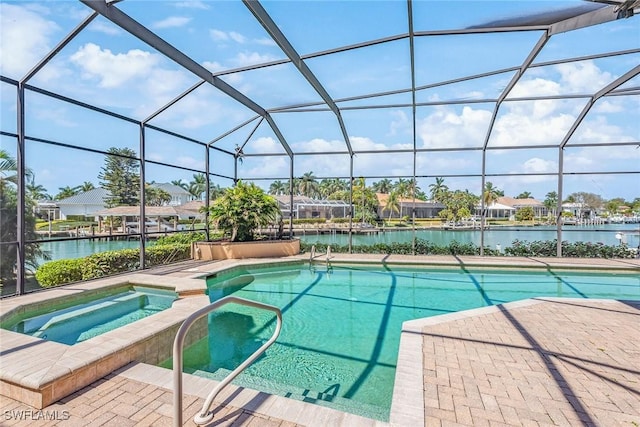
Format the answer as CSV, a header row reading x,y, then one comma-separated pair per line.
x,y
205,416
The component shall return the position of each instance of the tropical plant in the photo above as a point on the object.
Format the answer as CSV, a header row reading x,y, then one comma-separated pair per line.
x,y
120,177
458,204
86,186
198,186
9,224
66,192
438,190
525,214
490,194
524,195
551,202
308,185
215,191
181,184
328,187
156,196
278,188
241,210
383,186
393,205
36,191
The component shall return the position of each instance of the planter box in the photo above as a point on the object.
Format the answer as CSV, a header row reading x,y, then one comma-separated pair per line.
x,y
240,250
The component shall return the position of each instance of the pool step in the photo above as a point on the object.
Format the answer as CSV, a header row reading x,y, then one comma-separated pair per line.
x,y
323,398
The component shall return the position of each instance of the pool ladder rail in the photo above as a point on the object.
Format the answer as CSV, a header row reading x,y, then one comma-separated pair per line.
x,y
312,256
205,415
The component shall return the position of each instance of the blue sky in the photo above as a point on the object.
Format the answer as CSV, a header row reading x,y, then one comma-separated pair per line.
x,y
109,68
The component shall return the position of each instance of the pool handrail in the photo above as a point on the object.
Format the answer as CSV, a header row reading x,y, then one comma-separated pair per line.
x,y
205,416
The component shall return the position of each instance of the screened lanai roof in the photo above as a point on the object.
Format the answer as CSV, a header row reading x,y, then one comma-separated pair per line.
x,y
341,88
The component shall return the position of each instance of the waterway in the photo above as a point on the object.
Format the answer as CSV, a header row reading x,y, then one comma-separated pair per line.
x,y
503,236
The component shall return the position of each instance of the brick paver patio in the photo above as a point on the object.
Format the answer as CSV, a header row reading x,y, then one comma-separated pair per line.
x,y
556,362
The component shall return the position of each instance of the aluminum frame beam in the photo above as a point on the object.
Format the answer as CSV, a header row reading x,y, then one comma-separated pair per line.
x,y
141,32
514,80
602,92
272,29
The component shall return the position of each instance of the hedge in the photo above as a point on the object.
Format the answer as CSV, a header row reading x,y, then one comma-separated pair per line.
x,y
102,264
546,248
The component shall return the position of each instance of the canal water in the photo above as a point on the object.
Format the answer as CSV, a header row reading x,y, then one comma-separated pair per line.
x,y
502,236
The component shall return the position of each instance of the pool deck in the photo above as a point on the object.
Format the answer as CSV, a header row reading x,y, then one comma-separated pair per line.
x,y
539,362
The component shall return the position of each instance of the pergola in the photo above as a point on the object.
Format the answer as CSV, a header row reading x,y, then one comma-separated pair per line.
x,y
309,105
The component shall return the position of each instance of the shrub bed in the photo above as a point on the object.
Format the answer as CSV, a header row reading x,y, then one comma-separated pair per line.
x,y
102,264
546,248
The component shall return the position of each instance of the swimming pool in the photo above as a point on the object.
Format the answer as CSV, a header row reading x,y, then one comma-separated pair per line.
x,y
73,322
341,329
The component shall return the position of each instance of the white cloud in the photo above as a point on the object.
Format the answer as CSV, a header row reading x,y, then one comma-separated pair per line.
x,y
263,145
105,27
219,35
583,76
24,39
212,66
237,37
189,162
607,106
171,22
575,77
538,165
251,58
533,165
191,4
265,42
112,69
599,130
446,128
534,87
401,124
264,167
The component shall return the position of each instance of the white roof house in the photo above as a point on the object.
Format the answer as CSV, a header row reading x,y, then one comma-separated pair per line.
x,y
92,201
83,204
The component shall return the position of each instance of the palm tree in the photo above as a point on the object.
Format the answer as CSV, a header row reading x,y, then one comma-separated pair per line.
x,y
9,222
403,188
86,186
66,191
329,187
8,168
308,186
181,184
278,188
36,191
524,195
438,189
383,186
215,191
551,202
490,194
198,186
392,204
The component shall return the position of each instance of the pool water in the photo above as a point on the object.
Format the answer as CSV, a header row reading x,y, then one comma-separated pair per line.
x,y
80,322
341,328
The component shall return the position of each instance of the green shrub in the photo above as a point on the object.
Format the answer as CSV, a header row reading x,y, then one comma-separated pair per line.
x,y
57,272
103,264
183,238
548,248
423,247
